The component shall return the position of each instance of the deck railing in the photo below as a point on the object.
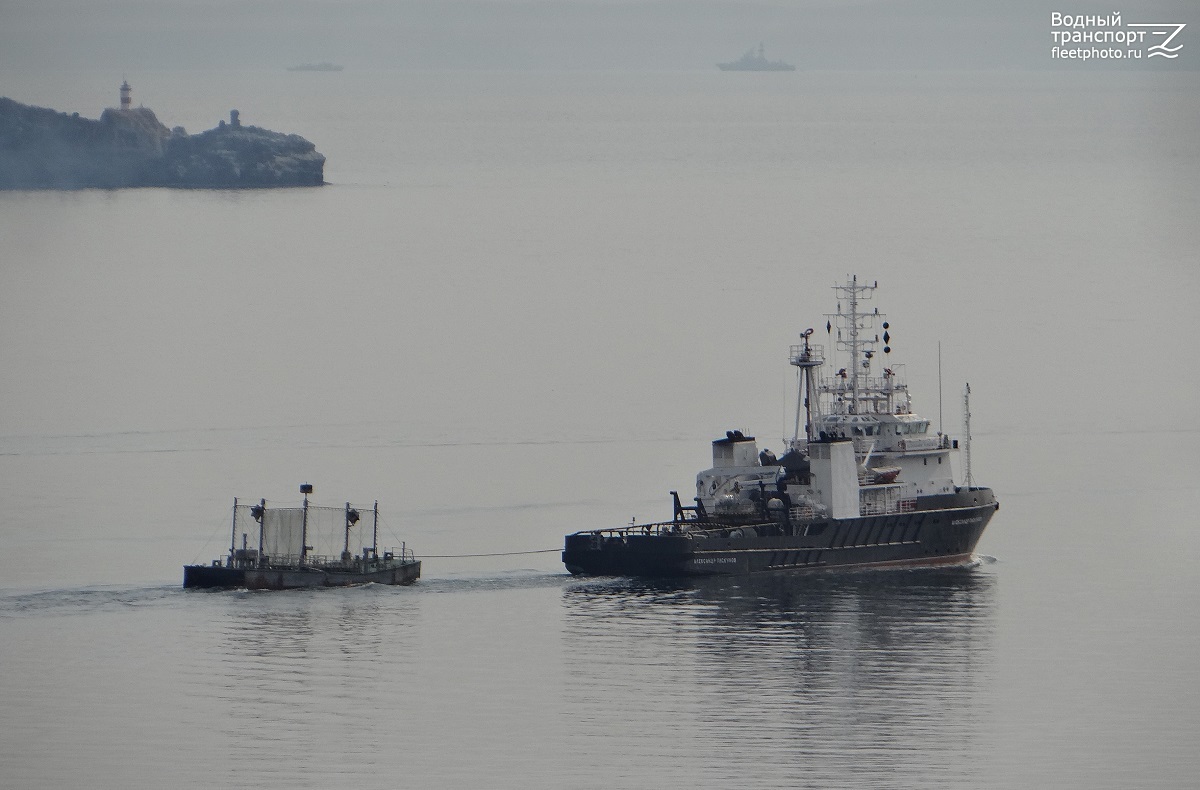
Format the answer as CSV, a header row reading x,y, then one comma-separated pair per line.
x,y
884,501
397,554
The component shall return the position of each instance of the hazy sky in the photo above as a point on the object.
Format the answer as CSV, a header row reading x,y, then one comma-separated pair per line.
x,y
549,34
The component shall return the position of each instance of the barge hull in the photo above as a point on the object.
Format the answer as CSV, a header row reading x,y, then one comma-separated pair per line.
x,y
216,576
299,578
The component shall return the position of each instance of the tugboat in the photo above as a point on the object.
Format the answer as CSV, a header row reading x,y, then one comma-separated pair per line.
x,y
865,485
755,61
282,560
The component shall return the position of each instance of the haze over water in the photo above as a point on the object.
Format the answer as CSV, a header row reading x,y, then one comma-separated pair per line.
x,y
523,306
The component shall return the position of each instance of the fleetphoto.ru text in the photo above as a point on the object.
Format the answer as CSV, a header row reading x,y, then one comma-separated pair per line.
x,y
1092,37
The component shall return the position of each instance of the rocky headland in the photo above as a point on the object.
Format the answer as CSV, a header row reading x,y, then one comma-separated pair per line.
x,y
129,147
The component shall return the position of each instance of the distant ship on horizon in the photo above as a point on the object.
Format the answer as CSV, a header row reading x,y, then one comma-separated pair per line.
x,y
323,66
755,61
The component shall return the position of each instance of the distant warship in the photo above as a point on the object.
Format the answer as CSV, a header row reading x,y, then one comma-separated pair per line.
x,y
322,66
755,61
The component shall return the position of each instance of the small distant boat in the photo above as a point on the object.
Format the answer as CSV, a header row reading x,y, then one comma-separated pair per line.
x,y
323,66
283,559
755,61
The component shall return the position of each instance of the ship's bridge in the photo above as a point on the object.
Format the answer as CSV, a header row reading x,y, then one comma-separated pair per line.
x,y
847,426
884,432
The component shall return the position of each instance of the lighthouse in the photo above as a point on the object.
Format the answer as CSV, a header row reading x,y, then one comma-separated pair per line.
x,y
126,95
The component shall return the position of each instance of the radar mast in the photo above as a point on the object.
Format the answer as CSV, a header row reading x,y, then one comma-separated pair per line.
x,y
807,358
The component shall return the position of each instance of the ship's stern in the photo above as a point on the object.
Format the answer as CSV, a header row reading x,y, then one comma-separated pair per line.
x,y
626,554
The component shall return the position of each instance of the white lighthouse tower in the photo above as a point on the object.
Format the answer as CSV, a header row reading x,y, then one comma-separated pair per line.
x,y
126,95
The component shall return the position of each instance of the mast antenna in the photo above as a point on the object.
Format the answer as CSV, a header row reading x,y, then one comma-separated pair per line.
x,y
970,481
940,431
859,340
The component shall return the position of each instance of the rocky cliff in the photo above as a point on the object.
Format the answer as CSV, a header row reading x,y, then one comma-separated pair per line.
x,y
45,149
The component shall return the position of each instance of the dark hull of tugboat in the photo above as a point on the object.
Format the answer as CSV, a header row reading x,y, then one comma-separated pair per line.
x,y
213,576
298,577
943,530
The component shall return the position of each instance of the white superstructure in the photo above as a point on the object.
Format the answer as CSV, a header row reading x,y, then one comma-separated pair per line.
x,y
860,400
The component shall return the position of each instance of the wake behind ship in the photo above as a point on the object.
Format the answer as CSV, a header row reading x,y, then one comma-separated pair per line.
x,y
867,484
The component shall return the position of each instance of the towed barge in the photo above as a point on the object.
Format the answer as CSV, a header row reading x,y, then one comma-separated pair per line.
x,y
866,484
284,560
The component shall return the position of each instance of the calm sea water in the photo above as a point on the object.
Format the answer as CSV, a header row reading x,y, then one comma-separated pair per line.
x,y
523,307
